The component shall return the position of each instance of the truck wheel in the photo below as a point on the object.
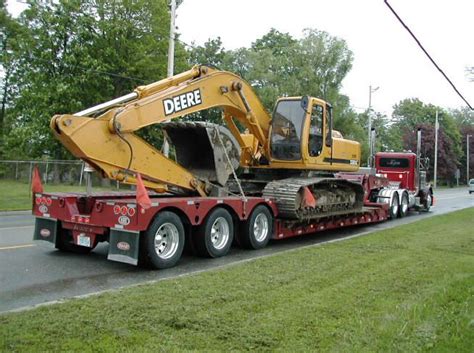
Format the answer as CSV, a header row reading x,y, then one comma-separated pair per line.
x,y
163,242
257,229
214,237
403,211
65,243
394,206
428,202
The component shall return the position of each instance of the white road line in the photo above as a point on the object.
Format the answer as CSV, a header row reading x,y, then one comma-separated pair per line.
x,y
20,227
17,247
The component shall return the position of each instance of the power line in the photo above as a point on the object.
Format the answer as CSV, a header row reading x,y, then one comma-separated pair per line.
x,y
428,55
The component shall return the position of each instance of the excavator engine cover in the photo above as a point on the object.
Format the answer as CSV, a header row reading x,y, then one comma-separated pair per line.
x,y
201,148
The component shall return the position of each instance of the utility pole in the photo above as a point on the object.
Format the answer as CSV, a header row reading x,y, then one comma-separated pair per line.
x,y
467,158
369,140
436,150
166,146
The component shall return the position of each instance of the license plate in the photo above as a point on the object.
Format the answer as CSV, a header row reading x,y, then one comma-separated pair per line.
x,y
83,240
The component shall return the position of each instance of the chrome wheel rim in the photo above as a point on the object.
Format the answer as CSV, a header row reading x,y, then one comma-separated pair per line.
x,y
428,201
166,240
394,206
404,204
260,227
220,233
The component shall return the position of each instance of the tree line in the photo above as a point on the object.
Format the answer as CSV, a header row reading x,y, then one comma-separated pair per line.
x,y
65,56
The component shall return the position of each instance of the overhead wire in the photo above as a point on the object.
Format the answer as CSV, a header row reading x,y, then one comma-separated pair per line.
x,y
428,55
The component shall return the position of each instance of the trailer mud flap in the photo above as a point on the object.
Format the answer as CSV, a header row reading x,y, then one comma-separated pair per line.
x,y
45,229
123,246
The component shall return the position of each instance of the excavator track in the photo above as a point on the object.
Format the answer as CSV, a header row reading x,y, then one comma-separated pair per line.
x,y
332,197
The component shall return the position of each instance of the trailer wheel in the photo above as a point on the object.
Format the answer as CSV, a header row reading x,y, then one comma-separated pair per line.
x,y
214,236
394,206
403,211
65,243
257,229
163,242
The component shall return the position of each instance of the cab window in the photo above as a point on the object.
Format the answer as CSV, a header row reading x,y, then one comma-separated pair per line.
x,y
315,140
287,125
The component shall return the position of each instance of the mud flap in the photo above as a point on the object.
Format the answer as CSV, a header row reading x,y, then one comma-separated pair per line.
x,y
123,246
200,150
45,229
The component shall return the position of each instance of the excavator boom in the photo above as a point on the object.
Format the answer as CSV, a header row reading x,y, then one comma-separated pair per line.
x,y
122,153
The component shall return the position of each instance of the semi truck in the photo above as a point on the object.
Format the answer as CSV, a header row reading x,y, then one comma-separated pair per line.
x,y
260,177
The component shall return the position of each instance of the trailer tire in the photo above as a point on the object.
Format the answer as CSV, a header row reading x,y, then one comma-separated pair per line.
x,y
403,209
394,206
257,229
163,241
64,243
214,236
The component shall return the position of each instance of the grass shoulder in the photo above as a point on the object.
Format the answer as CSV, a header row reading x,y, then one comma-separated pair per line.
x,y
406,289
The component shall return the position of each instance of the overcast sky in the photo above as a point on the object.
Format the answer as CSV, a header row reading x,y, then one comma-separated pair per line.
x,y
385,55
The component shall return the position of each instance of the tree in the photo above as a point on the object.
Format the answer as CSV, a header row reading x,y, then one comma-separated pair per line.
x,y
410,114
8,31
75,54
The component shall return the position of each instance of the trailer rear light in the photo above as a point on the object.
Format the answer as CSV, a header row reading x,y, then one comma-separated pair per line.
x,y
86,220
116,209
124,210
38,200
48,201
131,211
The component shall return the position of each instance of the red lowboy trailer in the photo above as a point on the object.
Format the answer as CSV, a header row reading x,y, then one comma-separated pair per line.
x,y
156,236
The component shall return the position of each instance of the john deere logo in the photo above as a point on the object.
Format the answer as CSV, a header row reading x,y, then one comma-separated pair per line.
x,y
182,101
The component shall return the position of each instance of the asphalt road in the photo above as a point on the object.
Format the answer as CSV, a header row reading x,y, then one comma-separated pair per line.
x,y
33,273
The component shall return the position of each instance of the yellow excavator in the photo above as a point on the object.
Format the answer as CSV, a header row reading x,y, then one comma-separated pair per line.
x,y
282,156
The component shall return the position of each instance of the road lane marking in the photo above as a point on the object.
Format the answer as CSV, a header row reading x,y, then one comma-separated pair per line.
x,y
17,247
20,227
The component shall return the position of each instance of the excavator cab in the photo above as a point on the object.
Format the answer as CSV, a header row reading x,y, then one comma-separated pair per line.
x,y
302,137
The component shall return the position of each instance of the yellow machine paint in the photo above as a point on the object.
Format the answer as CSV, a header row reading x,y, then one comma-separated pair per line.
x,y
106,137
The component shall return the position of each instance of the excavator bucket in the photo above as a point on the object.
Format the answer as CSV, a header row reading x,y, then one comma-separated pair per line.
x,y
209,151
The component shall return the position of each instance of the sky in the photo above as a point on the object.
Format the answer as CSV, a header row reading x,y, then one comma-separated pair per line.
x,y
385,55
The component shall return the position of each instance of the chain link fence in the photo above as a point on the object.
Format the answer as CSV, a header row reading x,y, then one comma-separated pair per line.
x,y
52,172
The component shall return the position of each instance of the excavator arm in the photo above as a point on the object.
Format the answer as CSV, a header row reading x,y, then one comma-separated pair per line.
x,y
104,136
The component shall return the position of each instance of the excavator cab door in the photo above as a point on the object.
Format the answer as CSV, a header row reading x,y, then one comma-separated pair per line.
x,y
316,131
287,129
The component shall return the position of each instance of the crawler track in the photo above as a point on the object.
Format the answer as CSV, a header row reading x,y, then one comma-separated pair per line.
x,y
333,197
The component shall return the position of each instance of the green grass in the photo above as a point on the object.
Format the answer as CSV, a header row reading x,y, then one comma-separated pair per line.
x,y
16,195
406,289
